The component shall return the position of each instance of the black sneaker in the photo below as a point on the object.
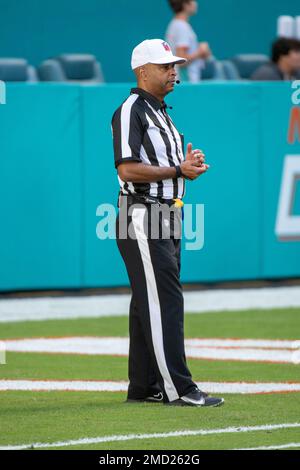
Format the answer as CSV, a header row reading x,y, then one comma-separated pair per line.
x,y
197,398
151,398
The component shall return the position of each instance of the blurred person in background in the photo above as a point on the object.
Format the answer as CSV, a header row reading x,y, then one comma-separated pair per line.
x,y
284,64
184,42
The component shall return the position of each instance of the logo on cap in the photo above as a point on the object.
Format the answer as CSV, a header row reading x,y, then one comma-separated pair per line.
x,y
166,46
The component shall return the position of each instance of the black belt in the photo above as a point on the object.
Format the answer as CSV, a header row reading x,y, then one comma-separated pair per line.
x,y
140,199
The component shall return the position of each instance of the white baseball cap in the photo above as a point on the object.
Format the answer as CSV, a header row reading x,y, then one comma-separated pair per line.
x,y
153,51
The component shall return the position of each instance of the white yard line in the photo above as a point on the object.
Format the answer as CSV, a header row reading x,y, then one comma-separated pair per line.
x,y
72,345
244,343
112,386
278,447
47,308
130,437
63,385
275,351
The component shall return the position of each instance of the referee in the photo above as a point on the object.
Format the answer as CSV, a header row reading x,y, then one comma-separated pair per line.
x,y
152,170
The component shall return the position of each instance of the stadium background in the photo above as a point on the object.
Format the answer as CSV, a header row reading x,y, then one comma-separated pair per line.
x,y
37,30
56,149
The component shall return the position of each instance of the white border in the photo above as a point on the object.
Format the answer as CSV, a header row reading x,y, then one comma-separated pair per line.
x,y
50,308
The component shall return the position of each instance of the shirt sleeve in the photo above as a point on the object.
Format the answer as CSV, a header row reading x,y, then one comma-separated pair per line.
x,y
181,36
264,73
128,131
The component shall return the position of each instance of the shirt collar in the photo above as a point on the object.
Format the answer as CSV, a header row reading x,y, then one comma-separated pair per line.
x,y
155,103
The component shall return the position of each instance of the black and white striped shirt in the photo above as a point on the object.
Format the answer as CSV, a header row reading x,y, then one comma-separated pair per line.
x,y
144,132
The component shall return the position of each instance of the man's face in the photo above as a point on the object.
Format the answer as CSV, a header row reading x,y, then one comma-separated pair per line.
x,y
161,77
294,60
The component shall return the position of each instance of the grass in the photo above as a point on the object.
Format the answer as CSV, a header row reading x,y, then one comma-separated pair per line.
x,y
75,367
27,417
268,324
54,416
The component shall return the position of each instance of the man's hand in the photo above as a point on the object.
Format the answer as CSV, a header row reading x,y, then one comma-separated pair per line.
x,y
194,165
194,155
204,50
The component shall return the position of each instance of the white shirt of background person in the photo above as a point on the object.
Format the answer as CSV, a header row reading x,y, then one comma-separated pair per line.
x,y
181,34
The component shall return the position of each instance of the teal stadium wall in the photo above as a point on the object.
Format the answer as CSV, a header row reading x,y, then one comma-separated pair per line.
x,y
56,168
37,29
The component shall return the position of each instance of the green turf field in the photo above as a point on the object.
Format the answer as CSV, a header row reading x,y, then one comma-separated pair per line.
x,y
49,417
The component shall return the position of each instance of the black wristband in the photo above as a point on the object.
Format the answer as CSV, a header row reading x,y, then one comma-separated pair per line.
x,y
178,171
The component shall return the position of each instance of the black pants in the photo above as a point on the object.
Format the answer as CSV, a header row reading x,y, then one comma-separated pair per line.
x,y
156,323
